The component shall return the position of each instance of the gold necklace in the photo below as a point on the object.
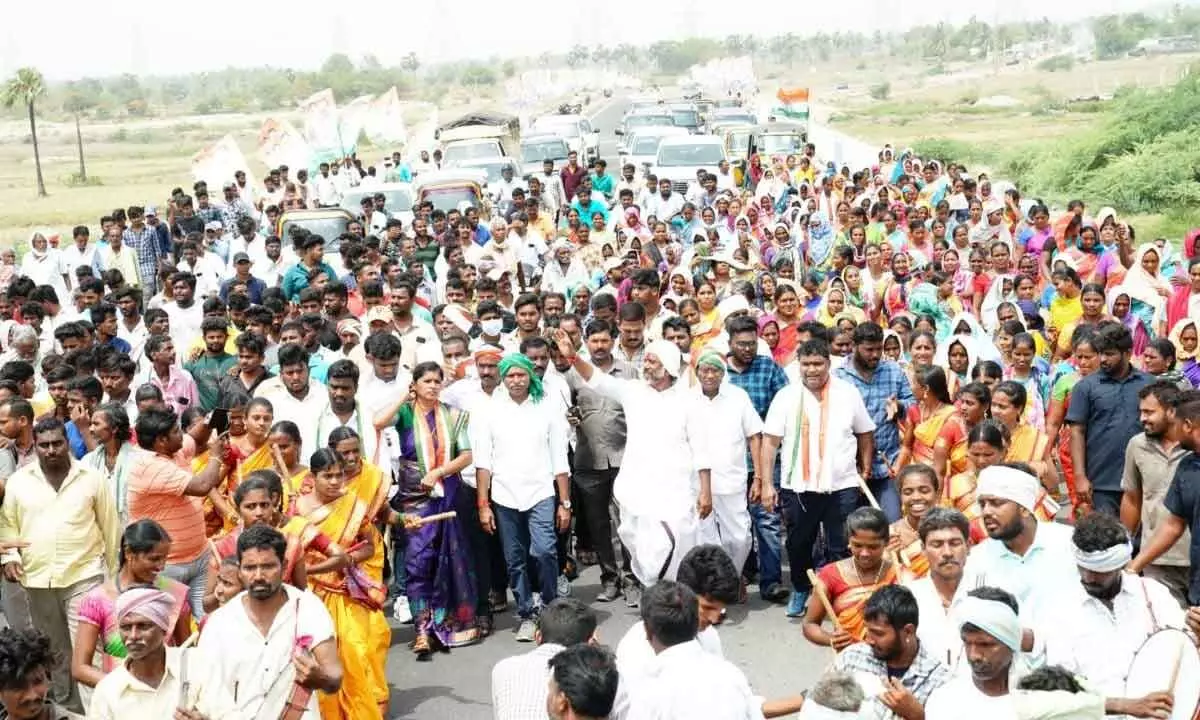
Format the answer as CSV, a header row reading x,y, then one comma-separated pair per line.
x,y
878,573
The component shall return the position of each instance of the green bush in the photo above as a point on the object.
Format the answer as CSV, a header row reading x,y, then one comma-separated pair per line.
x,y
882,91
947,150
1056,63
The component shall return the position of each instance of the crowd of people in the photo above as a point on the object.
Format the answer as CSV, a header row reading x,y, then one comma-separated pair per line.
x,y
966,423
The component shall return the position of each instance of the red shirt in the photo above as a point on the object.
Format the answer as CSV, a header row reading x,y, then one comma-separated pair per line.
x,y
571,180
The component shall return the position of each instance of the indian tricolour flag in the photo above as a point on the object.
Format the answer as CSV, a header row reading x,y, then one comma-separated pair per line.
x,y
793,104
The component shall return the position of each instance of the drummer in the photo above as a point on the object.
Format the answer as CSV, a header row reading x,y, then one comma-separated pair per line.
x,y
1098,629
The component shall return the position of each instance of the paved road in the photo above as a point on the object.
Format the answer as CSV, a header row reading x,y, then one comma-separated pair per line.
x,y
457,686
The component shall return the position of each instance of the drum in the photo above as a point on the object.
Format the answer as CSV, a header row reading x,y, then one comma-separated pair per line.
x,y
1168,656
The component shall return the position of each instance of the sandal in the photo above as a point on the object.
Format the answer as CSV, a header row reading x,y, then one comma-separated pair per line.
x,y
485,625
422,648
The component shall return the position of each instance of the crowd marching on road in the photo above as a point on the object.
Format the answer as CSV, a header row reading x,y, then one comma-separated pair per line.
x,y
947,436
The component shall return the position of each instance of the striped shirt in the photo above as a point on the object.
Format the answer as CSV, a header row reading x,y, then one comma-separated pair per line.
x,y
156,491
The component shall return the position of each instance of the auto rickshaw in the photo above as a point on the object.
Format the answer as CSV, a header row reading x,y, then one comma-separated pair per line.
x,y
329,223
769,140
450,189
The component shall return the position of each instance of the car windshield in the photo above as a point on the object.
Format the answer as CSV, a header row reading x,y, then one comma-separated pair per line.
x,y
550,124
331,229
646,145
698,154
492,169
647,120
773,144
547,150
396,200
735,118
458,153
686,118
448,198
739,141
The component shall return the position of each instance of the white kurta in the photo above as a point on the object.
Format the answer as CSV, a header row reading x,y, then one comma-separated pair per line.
x,y
685,681
654,489
729,419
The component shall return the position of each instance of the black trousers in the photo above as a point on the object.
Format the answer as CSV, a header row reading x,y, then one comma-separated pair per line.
x,y
594,490
487,557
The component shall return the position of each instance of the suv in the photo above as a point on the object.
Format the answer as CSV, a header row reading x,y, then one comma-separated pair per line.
x,y
680,157
577,130
536,149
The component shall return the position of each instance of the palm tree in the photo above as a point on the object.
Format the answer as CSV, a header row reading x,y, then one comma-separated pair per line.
x,y
25,88
77,103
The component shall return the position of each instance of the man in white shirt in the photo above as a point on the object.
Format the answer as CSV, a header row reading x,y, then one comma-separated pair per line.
x,y
325,187
666,204
521,463
519,683
945,535
1033,561
824,436
684,681
1099,627
724,176
262,672
552,183
81,254
184,313
294,394
501,191
732,425
659,504
344,409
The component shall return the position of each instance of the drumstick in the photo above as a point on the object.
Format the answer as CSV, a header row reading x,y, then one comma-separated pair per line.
x,y
436,517
190,641
277,456
1175,665
819,590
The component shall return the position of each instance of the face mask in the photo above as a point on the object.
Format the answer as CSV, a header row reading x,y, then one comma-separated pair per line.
x,y
492,327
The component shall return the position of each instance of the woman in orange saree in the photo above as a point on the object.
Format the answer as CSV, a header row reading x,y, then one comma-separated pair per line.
x,y
787,316
927,421
259,500
849,583
972,403
987,446
919,488
353,598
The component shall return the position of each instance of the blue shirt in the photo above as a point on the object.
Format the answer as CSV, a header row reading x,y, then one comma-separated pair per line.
x,y
762,380
296,279
586,213
75,440
1183,500
1107,409
888,381
254,289
119,345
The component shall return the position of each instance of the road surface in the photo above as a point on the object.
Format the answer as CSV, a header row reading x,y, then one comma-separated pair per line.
x,y
758,637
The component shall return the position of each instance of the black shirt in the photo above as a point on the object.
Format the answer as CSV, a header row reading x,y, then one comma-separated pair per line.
x,y
1183,500
1108,410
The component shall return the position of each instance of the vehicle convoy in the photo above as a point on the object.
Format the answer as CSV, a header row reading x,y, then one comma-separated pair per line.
x,y
641,146
577,130
687,115
536,149
680,157
478,136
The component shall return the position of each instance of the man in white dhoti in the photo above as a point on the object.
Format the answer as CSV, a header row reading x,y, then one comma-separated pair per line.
x,y
732,424
660,508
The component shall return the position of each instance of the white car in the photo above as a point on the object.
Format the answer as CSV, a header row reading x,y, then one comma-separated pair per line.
x,y
641,146
577,130
679,157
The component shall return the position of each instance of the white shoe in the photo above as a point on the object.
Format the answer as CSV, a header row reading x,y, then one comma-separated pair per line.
x,y
563,586
400,610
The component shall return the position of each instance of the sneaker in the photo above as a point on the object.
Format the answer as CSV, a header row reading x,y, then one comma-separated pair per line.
x,y
796,603
525,631
400,610
609,593
633,596
563,586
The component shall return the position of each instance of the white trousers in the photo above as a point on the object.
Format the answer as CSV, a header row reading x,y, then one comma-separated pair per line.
x,y
656,546
729,526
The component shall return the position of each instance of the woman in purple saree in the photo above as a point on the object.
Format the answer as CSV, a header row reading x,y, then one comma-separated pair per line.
x,y
434,449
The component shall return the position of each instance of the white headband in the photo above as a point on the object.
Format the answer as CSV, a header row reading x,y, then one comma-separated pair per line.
x,y
1008,484
1105,561
993,617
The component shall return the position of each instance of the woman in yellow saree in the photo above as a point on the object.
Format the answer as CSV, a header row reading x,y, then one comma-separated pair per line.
x,y
919,489
849,583
285,436
248,451
353,595
929,424
259,500
709,325
988,444
1026,444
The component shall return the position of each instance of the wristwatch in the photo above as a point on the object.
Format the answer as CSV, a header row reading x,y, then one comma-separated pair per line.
x,y
566,504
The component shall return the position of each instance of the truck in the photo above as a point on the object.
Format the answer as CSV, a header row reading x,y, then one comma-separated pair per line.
x,y
479,136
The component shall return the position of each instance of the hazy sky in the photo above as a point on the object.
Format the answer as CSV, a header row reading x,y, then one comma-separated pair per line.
x,y
68,39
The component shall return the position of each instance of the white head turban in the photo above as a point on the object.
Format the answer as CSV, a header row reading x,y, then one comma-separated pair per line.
x,y
1105,561
1008,484
993,617
732,304
668,354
